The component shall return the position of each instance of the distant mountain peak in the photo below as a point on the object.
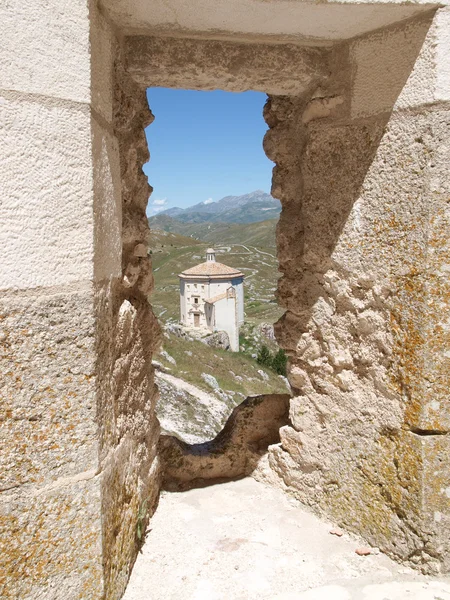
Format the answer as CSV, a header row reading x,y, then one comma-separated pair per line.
x,y
247,208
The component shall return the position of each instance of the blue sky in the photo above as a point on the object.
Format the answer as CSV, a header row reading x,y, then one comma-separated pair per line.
x,y
204,146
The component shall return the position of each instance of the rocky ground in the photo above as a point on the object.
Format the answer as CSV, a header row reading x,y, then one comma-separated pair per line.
x,y
244,540
188,412
199,385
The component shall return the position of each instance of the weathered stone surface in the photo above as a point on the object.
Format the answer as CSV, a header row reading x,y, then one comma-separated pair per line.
x,y
107,204
49,53
208,65
47,387
46,210
104,47
79,470
50,513
363,277
235,452
127,336
219,339
188,412
303,23
50,541
394,67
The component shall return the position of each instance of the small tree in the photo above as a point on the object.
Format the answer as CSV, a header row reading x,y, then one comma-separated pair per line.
x,y
279,362
264,357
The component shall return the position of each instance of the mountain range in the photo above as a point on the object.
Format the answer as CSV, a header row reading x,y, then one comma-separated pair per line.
x,y
248,208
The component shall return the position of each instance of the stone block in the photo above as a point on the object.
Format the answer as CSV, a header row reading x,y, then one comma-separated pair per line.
x,y
45,48
436,495
207,65
103,48
48,409
442,63
46,212
383,200
51,543
402,67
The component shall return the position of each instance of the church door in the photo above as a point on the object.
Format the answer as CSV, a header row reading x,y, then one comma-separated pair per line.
x,y
196,320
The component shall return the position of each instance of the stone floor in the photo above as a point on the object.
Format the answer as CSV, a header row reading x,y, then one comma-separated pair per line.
x,y
246,541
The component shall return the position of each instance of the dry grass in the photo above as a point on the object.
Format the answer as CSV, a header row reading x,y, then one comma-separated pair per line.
x,y
194,358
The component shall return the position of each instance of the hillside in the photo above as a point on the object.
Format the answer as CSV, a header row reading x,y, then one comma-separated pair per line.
x,y
196,398
260,234
248,208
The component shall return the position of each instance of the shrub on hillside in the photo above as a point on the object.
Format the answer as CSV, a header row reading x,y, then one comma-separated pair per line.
x,y
277,361
264,357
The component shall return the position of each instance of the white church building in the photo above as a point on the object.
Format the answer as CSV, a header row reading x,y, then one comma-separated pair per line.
x,y
212,298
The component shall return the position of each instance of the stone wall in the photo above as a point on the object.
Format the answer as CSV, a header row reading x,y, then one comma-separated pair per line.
x,y
235,451
50,510
359,134
363,247
127,338
78,431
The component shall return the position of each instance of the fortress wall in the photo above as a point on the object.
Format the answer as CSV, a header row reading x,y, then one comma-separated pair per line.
x,y
78,431
358,134
128,337
361,170
50,504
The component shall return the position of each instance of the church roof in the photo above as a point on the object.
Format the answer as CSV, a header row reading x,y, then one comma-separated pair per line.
x,y
211,269
230,293
216,298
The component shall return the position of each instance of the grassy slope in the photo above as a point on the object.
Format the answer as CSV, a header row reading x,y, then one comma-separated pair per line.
x,y
222,365
250,248
258,234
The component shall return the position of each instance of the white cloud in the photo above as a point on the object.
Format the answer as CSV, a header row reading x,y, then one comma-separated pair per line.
x,y
156,205
208,201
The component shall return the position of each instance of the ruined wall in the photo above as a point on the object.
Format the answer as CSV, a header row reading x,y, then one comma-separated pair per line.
x,y
78,432
357,135
234,452
128,336
363,246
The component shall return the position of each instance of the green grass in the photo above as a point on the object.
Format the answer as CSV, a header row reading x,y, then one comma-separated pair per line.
x,y
221,364
257,234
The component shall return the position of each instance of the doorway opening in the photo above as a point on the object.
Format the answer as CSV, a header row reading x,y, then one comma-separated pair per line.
x,y
213,250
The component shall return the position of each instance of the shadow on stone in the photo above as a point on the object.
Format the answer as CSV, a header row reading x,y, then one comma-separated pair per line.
x,y
233,453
